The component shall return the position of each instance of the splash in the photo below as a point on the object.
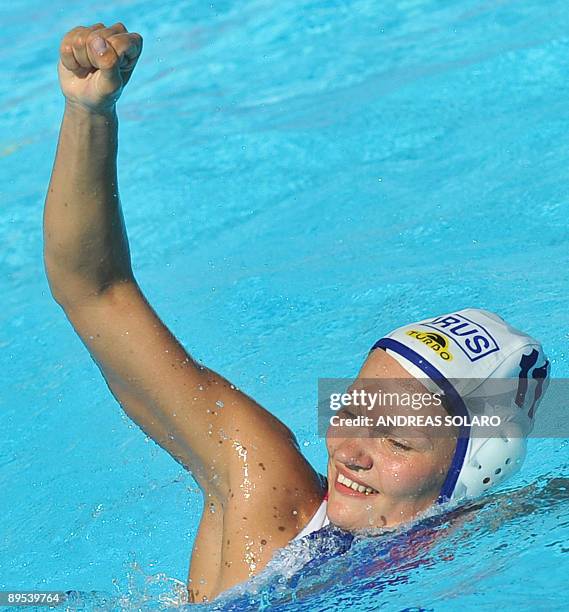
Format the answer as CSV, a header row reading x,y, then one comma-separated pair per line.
x,y
246,485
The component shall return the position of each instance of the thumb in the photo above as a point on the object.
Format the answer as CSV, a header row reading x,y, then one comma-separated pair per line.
x,y
104,57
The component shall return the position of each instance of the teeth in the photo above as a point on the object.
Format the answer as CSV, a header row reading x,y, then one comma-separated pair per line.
x,y
354,485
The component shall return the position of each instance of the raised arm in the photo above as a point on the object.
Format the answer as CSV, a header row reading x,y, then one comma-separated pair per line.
x,y
192,412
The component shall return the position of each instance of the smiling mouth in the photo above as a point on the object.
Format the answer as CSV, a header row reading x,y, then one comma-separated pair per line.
x,y
356,487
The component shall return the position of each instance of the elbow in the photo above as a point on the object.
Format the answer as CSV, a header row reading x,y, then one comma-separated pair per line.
x,y
70,288
54,281
60,292
64,288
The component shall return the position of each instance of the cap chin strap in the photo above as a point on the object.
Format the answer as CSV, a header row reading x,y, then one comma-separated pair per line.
x,y
457,404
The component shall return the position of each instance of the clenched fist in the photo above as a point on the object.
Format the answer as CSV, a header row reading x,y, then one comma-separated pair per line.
x,y
96,63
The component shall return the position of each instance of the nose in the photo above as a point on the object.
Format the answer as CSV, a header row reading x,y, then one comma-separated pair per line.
x,y
354,456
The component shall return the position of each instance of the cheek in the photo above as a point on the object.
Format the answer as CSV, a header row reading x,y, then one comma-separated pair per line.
x,y
409,476
330,443
397,473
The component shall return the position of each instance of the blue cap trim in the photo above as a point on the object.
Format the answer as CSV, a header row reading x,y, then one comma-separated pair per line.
x,y
456,400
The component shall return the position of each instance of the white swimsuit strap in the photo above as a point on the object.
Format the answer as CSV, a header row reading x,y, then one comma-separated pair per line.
x,y
318,521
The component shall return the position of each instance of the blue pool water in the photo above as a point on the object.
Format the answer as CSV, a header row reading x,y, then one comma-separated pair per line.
x,y
298,177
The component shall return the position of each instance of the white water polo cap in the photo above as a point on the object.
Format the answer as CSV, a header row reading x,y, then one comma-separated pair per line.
x,y
482,365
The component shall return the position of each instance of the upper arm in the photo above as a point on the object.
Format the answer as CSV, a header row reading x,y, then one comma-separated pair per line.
x,y
191,411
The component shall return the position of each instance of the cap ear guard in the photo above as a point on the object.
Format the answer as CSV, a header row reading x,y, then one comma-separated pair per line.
x,y
488,463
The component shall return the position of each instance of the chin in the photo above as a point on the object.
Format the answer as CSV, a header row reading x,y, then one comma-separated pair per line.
x,y
342,515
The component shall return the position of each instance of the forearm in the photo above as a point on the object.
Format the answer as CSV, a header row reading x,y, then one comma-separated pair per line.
x,y
85,243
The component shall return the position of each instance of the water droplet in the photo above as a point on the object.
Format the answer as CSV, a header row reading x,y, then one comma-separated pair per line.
x,y
219,403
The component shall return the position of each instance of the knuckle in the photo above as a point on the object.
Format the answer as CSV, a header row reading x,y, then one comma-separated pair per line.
x,y
118,46
68,36
134,41
74,38
120,26
109,62
110,59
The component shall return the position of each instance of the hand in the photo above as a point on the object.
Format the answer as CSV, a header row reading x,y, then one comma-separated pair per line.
x,y
96,63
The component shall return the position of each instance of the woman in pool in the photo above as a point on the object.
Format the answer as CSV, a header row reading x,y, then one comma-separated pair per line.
x,y
259,491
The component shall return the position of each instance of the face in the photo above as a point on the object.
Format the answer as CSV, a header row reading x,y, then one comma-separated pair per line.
x,y
403,474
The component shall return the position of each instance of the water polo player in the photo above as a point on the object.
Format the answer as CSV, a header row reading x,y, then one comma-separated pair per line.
x,y
259,490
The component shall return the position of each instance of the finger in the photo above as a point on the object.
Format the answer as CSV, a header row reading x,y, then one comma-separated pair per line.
x,y
83,35
71,34
105,59
66,49
78,45
68,59
78,42
96,43
128,47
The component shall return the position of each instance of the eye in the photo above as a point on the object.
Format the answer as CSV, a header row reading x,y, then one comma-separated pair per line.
x,y
347,413
399,445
